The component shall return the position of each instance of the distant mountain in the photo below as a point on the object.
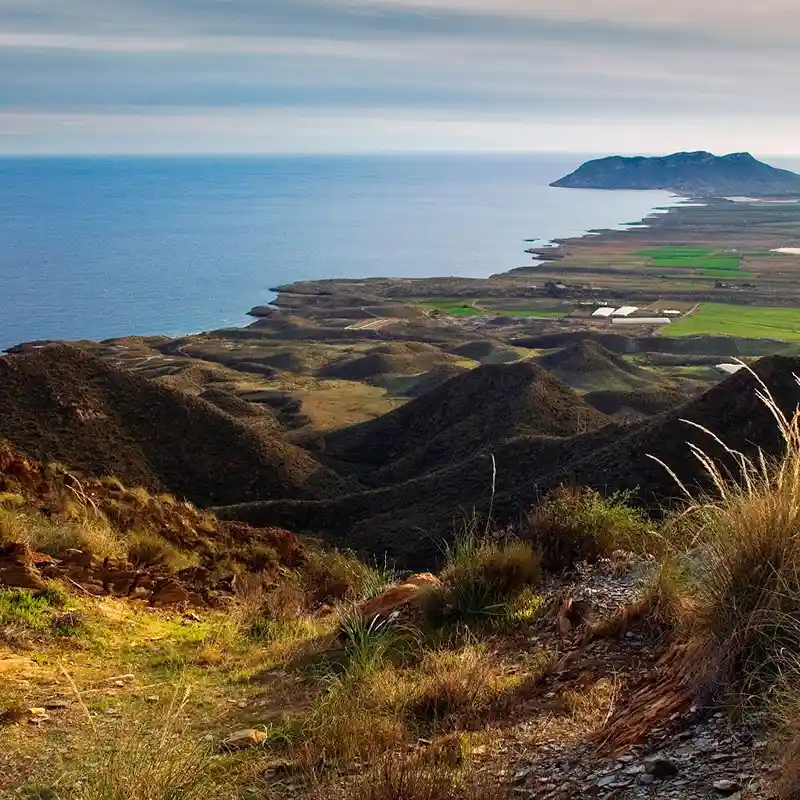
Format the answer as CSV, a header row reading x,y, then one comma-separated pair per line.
x,y
695,174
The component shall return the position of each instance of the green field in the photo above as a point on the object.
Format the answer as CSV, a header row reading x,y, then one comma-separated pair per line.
x,y
745,322
453,308
710,263
462,308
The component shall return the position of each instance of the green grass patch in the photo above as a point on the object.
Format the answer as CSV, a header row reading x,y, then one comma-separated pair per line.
x,y
744,322
28,610
710,263
457,308
733,274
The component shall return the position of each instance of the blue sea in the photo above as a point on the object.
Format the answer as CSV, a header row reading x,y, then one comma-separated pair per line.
x,y
97,248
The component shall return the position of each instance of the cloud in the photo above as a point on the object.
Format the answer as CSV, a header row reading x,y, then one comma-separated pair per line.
x,y
487,64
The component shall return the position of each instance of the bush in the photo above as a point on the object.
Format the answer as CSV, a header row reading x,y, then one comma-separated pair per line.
x,y
480,577
573,525
331,575
151,550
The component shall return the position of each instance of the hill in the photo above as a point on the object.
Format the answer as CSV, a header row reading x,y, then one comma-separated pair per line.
x,y
464,415
377,364
588,365
66,405
697,173
645,402
407,520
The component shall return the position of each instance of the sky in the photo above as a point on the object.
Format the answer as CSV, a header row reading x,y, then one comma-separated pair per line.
x,y
352,76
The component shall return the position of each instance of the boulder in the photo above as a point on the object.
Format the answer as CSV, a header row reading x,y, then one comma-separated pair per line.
x,y
398,597
18,567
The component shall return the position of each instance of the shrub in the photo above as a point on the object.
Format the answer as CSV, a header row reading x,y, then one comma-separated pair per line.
x,y
480,577
573,525
147,549
331,575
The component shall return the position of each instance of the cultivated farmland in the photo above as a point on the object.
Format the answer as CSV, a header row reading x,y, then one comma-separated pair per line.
x,y
741,321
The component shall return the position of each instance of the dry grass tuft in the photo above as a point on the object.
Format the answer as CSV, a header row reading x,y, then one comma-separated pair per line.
x,y
422,777
331,575
55,537
346,724
452,685
150,763
742,574
148,549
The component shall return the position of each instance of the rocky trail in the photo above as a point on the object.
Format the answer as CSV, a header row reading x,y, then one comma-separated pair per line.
x,y
655,739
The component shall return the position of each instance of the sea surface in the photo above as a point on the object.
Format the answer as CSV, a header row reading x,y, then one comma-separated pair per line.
x,y
96,248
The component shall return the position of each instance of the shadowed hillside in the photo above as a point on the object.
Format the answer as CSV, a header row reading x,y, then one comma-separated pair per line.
x,y
468,413
65,405
588,365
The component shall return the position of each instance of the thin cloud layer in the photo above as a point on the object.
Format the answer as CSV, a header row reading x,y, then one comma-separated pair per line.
x,y
497,74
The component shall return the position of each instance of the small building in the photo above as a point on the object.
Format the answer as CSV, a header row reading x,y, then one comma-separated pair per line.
x,y
728,369
604,311
624,311
641,321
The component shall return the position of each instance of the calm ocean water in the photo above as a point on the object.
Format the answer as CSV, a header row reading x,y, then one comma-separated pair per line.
x,y
95,248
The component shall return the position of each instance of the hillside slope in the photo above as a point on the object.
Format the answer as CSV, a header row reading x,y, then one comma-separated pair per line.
x,y
467,414
65,405
588,365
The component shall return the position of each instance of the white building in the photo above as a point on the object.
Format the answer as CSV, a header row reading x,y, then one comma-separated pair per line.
x,y
641,320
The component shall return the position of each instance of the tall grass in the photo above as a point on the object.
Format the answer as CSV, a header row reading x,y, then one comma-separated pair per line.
x,y
740,579
370,643
151,762
55,537
423,777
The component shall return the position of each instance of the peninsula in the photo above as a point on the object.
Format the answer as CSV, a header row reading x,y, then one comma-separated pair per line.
x,y
697,174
